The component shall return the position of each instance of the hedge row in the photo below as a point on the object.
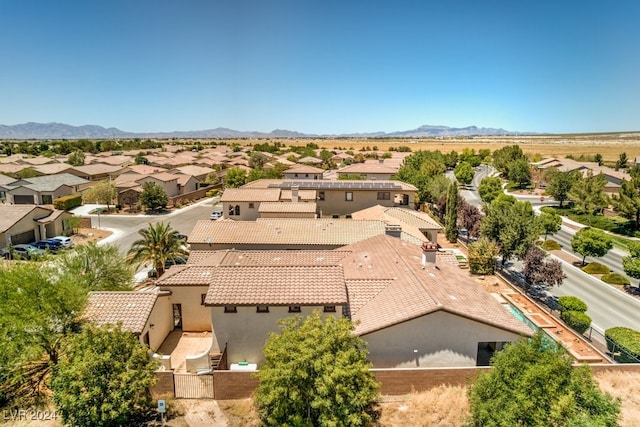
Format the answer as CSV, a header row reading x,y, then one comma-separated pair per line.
x,y
576,320
67,202
624,343
596,268
615,279
570,303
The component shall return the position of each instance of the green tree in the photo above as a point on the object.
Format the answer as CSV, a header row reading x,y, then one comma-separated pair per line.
x,y
598,159
490,187
622,161
520,172
37,309
159,242
140,159
505,157
482,256
436,187
235,177
76,158
533,383
104,192
96,268
631,263
588,194
104,379
627,203
153,197
316,373
559,184
74,223
591,242
512,224
464,173
257,160
451,216
550,223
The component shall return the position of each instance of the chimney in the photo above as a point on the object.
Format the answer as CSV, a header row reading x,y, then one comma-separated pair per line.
x,y
429,250
393,230
381,161
294,193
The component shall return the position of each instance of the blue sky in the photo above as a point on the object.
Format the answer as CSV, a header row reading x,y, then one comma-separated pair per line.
x,y
322,66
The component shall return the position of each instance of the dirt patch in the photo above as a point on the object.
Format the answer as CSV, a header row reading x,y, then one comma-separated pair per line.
x,y
88,235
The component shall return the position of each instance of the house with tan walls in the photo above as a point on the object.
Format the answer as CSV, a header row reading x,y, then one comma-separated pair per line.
x,y
145,314
370,171
43,190
341,198
303,172
28,223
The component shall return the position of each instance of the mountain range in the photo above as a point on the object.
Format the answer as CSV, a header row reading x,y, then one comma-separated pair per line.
x,y
33,130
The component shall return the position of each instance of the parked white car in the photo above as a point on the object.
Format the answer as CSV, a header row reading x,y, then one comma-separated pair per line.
x,y
64,241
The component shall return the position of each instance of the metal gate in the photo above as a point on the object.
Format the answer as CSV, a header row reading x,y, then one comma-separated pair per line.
x,y
192,386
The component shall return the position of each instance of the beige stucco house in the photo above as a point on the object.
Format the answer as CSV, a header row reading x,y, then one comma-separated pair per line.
x,y
303,172
29,223
143,313
43,190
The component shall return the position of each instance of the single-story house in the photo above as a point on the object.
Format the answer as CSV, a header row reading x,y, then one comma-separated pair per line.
x,y
29,223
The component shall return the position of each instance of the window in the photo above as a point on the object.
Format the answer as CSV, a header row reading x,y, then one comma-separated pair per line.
x,y
348,196
47,199
237,210
230,309
320,195
231,210
251,206
384,195
202,298
294,309
262,309
329,309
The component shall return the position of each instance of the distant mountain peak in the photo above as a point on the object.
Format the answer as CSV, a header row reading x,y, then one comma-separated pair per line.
x,y
54,130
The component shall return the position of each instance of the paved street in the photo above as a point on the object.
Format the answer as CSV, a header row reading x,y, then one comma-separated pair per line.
x,y
126,227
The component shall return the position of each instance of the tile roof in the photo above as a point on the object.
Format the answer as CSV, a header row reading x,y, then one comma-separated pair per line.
x,y
367,168
162,176
412,222
303,169
250,195
49,182
302,195
286,231
98,168
412,217
413,291
10,214
287,207
277,285
314,184
145,169
132,308
195,170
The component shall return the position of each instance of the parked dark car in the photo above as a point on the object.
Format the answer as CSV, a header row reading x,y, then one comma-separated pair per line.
x,y
26,252
53,245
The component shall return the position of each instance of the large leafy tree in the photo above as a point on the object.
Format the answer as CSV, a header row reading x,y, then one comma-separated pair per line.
x,y
627,203
451,216
591,242
490,187
153,196
464,173
559,183
103,379
512,224
421,169
316,372
533,383
469,217
104,192
482,256
539,269
235,177
520,172
588,194
76,158
158,243
550,222
631,263
38,308
504,158
96,268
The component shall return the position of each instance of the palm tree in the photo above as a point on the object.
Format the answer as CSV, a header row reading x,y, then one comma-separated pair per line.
x,y
159,242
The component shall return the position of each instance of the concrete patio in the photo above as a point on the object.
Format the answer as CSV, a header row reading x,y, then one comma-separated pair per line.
x,y
180,344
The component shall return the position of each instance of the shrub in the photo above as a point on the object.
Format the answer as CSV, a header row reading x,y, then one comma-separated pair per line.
x,y
67,202
625,341
548,209
576,320
615,279
596,268
550,245
571,303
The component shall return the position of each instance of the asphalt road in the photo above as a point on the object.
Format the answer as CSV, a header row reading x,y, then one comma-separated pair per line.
x,y
126,227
